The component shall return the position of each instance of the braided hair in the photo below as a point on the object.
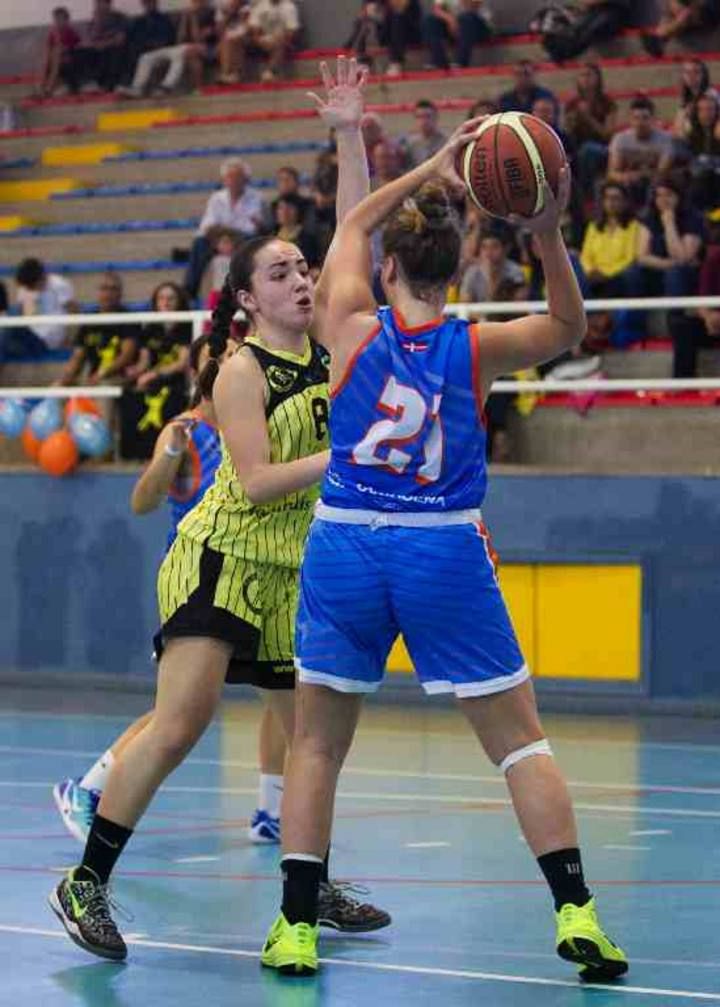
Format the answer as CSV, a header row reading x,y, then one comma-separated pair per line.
x,y
239,278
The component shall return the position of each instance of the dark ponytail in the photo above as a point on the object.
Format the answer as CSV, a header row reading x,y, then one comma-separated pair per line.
x,y
239,278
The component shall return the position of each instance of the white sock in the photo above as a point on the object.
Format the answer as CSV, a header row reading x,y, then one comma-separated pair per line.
x,y
271,791
97,776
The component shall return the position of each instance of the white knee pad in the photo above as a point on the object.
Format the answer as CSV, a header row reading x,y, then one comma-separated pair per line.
x,y
541,747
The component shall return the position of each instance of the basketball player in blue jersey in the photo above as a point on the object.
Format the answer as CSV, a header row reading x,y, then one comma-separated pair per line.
x,y
398,544
183,466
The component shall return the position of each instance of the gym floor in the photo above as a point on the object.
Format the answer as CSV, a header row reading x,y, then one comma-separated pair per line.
x,y
422,820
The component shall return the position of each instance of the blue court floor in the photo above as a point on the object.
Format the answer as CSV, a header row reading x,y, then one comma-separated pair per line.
x,y
423,821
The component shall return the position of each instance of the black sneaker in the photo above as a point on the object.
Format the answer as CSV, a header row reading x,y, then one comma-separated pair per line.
x,y
338,910
83,908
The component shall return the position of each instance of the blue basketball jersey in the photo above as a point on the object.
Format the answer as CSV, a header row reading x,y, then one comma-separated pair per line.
x,y
205,454
406,421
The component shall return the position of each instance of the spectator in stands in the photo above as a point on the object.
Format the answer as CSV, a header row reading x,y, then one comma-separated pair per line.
x,y
611,243
374,136
590,120
428,137
692,331
102,352
596,21
39,293
547,110
402,28
694,81
287,180
492,267
289,226
225,247
198,35
526,90
483,106
388,161
702,142
236,207
233,30
102,57
323,216
273,27
367,32
464,23
152,47
680,18
59,64
641,152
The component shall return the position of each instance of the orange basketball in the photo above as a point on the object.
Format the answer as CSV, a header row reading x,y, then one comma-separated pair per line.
x,y
81,405
30,443
506,163
58,454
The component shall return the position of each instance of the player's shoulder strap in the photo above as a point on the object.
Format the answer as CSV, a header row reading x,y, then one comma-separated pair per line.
x,y
287,375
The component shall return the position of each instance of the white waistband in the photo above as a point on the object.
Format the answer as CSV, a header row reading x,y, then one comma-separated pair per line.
x,y
400,519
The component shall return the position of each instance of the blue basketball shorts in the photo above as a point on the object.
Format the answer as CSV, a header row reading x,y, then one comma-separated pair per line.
x,y
362,584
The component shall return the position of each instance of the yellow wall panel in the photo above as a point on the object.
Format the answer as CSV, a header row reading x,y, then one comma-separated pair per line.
x,y
518,587
589,621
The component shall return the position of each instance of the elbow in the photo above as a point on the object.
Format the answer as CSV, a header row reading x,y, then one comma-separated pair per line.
x,y
256,492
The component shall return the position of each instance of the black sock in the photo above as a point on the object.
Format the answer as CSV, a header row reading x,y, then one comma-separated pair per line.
x,y
563,872
105,842
301,881
325,876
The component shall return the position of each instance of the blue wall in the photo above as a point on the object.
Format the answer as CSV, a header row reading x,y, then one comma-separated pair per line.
x,y
77,586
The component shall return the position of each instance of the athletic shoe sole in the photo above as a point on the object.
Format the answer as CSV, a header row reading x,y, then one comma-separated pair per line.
x,y
360,928
73,932
585,952
260,840
70,824
291,969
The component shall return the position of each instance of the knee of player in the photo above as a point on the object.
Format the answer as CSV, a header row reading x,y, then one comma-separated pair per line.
x,y
174,739
513,755
320,747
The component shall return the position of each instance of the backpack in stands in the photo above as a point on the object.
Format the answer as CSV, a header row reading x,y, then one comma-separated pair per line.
x,y
556,26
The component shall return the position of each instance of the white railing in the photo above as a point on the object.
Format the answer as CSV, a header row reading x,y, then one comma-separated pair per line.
x,y
199,317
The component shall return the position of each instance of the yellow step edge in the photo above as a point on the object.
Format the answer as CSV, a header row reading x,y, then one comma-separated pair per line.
x,y
34,189
13,222
93,153
134,119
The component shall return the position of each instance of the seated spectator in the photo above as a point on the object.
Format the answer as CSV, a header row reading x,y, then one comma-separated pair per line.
x,y
388,161
402,28
491,268
590,120
38,293
464,23
611,244
159,380
681,17
233,29
273,27
640,153
225,247
483,106
289,227
287,180
525,92
103,55
547,110
428,139
702,141
151,49
235,207
102,352
59,65
367,32
691,330
374,137
694,82
323,217
596,21
198,37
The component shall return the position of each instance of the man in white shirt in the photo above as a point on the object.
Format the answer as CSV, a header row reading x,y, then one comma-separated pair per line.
x,y
38,293
273,26
236,207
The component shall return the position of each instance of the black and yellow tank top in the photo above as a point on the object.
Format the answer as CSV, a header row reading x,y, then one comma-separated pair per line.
x,y
297,420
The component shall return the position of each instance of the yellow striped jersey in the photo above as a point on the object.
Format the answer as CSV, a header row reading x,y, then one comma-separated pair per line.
x,y
297,420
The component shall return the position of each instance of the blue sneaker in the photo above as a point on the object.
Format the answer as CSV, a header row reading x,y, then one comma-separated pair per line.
x,y
77,806
264,828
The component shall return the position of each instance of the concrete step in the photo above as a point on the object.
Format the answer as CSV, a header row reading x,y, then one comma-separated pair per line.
x,y
109,209
633,440
138,286
88,247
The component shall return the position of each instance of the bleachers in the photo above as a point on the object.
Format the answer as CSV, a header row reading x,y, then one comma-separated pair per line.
x,y
132,202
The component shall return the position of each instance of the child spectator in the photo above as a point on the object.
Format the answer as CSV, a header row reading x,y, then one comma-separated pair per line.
x,y
590,120
102,352
59,65
640,153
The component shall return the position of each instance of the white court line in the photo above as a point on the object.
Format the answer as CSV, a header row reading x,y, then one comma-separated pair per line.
x,y
425,846
195,860
651,832
401,774
497,977
621,811
629,849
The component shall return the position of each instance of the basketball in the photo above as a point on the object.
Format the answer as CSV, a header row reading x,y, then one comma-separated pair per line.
x,y
506,163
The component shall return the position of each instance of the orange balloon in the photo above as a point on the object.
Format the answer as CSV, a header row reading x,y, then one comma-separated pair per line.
x,y
58,454
30,443
82,405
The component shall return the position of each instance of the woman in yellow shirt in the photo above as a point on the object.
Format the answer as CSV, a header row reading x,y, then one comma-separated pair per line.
x,y
610,246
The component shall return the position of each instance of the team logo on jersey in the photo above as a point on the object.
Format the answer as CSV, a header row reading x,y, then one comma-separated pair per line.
x,y
280,379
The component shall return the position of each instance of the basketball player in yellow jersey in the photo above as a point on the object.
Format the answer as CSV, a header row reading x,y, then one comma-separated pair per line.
x,y
228,586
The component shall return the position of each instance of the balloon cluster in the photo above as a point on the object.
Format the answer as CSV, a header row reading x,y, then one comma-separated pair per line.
x,y
54,435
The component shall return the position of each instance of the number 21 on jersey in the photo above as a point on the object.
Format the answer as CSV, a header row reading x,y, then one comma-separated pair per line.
x,y
406,412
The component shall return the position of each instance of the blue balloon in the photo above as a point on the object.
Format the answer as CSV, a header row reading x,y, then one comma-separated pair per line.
x,y
12,417
46,418
91,434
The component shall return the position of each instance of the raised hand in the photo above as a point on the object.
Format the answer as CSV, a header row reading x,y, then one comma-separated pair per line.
x,y
548,219
342,105
445,161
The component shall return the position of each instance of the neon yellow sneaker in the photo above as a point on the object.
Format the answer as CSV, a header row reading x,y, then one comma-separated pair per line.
x,y
580,940
291,949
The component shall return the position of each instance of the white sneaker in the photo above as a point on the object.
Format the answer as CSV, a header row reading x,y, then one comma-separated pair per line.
x,y
575,370
394,70
267,76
